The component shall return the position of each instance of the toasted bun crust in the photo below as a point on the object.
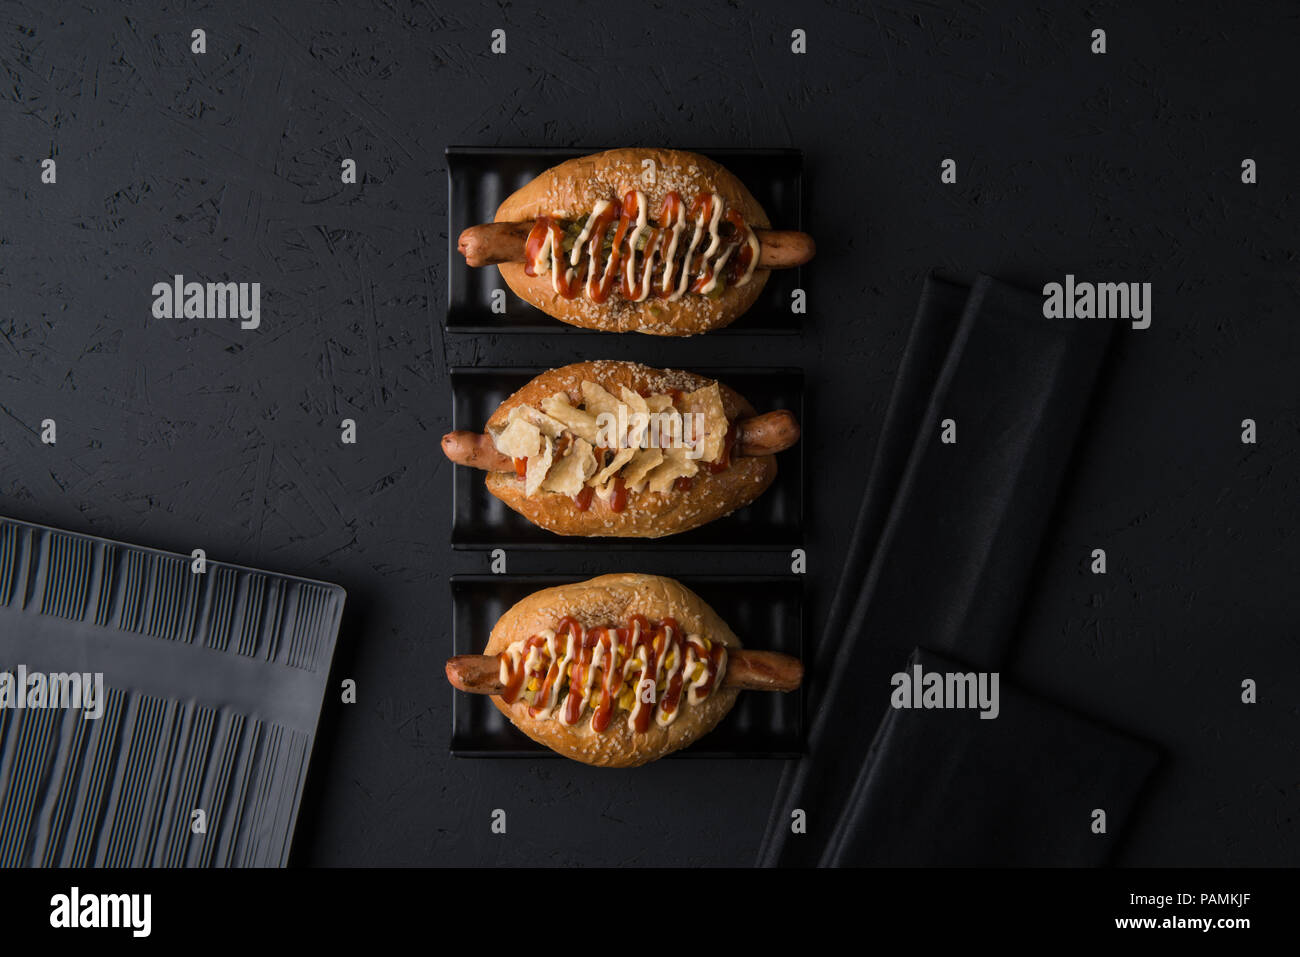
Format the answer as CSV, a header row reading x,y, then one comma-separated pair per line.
x,y
608,600
574,187
647,514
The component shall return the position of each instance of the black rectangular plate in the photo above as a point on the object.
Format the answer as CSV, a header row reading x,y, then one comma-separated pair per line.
x,y
774,520
214,685
766,613
480,178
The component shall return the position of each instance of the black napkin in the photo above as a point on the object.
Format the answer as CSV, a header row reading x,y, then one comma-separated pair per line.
x,y
949,788
947,533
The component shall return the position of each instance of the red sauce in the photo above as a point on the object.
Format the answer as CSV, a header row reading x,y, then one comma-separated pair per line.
x,y
515,680
533,246
684,483
521,468
672,694
739,263
583,499
652,638
613,683
715,661
632,290
672,203
575,700
727,444
535,241
601,282
631,212
618,501
703,205
544,692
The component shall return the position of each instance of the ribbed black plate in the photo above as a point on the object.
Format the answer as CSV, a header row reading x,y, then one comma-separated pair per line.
x,y
214,684
480,178
774,520
765,613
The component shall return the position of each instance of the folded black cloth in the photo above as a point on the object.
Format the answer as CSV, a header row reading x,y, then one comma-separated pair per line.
x,y
946,534
949,788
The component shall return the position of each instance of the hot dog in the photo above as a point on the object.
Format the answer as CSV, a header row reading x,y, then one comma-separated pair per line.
x,y
617,671
656,241
619,449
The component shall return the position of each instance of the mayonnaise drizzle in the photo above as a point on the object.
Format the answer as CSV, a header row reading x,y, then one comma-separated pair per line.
x,y
679,223
690,251
576,253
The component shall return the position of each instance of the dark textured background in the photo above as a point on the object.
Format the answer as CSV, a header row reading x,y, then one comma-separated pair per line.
x,y
192,433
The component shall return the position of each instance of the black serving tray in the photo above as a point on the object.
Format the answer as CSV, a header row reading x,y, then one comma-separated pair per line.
x,y
213,683
774,520
480,178
766,613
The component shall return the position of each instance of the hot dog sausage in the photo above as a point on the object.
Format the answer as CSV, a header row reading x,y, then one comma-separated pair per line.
x,y
493,243
783,248
767,434
762,671
475,450
477,674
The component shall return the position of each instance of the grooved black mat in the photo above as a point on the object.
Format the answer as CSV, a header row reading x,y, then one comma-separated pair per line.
x,y
765,613
774,519
212,688
480,178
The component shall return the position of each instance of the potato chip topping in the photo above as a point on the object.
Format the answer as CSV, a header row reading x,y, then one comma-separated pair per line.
x,y
616,444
